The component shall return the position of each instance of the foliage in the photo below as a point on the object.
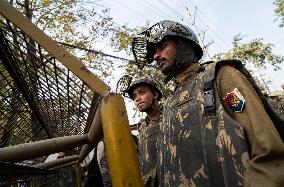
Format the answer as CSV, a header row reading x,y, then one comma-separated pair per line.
x,y
256,55
123,38
79,23
256,52
279,11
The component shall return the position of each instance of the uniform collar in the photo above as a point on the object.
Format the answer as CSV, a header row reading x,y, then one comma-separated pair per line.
x,y
157,116
181,78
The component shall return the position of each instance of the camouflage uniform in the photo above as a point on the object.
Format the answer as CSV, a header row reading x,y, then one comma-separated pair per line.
x,y
103,164
201,146
148,132
277,104
202,142
148,145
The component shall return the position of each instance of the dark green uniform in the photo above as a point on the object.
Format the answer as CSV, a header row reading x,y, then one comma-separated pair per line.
x,y
201,146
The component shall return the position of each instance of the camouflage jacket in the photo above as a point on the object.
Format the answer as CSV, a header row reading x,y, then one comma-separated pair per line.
x,y
148,144
202,145
278,106
103,164
199,147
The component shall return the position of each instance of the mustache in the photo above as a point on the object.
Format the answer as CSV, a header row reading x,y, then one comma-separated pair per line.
x,y
161,60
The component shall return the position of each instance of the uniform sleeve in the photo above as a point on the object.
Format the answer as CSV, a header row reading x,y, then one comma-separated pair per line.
x,y
266,166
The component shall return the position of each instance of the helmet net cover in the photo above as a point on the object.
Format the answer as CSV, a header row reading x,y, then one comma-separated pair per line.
x,y
143,44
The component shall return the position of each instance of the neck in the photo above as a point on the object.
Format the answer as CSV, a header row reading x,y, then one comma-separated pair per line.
x,y
153,113
184,75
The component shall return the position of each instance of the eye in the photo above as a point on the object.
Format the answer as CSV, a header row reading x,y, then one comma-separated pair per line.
x,y
134,96
161,46
164,45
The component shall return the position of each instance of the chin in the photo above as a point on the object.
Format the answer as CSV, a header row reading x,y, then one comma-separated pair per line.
x,y
143,109
166,71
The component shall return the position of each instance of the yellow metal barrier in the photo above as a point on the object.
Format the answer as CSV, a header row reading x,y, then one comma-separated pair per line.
x,y
121,151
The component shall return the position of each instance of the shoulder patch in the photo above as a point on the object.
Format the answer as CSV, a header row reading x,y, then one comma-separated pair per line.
x,y
235,100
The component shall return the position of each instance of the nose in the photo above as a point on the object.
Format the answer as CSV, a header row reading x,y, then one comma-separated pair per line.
x,y
136,98
157,55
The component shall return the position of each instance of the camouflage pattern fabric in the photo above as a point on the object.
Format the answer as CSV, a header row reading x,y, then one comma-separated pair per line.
x,y
103,164
148,144
196,149
277,104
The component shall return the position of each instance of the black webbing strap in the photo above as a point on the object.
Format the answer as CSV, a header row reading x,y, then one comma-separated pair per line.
x,y
208,88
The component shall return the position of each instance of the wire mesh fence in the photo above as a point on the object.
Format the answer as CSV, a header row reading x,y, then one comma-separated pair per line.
x,y
62,178
39,97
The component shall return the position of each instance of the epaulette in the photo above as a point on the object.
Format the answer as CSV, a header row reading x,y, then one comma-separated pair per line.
x,y
204,66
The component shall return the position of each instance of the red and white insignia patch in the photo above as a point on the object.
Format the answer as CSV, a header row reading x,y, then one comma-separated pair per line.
x,y
235,101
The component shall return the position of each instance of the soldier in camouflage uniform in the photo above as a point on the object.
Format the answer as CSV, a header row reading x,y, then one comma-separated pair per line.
x,y
146,94
216,129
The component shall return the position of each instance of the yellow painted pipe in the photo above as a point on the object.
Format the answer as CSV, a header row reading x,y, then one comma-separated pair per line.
x,y
121,153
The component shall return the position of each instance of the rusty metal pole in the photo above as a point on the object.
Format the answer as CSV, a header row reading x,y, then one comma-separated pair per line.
x,y
122,156
31,150
64,165
79,175
58,162
94,136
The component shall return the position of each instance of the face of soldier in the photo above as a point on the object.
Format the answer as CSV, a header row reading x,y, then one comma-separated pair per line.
x,y
143,98
165,55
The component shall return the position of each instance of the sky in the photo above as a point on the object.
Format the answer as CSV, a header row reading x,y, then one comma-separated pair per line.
x,y
222,20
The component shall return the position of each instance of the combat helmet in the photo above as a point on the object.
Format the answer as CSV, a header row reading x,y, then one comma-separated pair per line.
x,y
144,81
143,44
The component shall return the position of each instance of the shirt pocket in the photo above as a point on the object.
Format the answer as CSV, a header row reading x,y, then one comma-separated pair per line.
x,y
150,130
185,114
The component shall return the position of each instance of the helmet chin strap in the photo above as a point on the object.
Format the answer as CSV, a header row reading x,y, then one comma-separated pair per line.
x,y
152,107
183,59
176,69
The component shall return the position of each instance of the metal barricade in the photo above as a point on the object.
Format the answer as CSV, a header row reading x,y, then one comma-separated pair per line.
x,y
50,102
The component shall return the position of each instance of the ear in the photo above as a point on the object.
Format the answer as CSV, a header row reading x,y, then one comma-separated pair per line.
x,y
156,95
